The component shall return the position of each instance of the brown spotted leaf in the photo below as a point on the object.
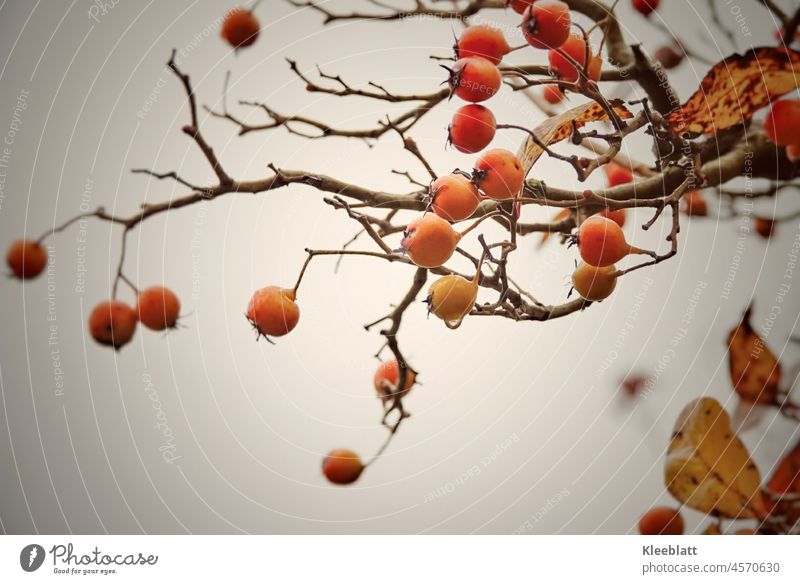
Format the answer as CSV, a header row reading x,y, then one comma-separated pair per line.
x,y
708,468
755,372
736,88
557,128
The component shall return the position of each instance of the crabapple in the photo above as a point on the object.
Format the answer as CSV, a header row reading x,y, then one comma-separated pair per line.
x,y
617,175
616,215
782,124
158,308
694,204
389,372
26,259
661,521
472,128
594,283
499,174
793,152
602,242
112,323
454,197
481,40
452,297
645,7
273,311
575,47
765,227
552,94
342,466
545,24
240,28
519,6
474,79
669,56
429,241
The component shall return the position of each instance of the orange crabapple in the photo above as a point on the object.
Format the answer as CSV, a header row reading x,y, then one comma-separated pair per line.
x,y
240,28
472,128
499,174
782,124
158,308
661,521
26,259
602,242
645,7
452,297
545,24
388,372
481,40
694,204
765,227
429,241
273,311
474,79
518,6
593,283
575,47
342,466
618,216
454,197
112,323
553,95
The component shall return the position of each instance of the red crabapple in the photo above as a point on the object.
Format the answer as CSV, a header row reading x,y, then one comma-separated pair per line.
x,y
158,308
552,94
472,128
273,311
481,40
546,23
765,227
112,323
454,197
519,6
240,28
388,372
602,242
575,47
617,175
499,174
594,284
694,204
26,259
645,7
782,124
661,521
342,466
430,241
474,79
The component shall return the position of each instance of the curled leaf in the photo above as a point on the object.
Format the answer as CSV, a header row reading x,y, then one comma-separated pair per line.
x,y
736,88
708,468
755,372
557,128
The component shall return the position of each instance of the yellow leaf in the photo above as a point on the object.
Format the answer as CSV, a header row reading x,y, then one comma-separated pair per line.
x,y
708,468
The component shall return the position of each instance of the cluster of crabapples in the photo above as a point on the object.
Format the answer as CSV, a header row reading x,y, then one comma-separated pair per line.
x,y
113,322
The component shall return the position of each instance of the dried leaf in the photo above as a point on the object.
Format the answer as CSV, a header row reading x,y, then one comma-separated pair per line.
x,y
708,468
557,128
786,478
712,529
735,88
560,216
755,372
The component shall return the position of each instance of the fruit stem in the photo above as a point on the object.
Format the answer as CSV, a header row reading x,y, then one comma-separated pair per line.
x,y
478,222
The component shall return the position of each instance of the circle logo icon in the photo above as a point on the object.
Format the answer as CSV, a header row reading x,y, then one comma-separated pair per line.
x,y
31,557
